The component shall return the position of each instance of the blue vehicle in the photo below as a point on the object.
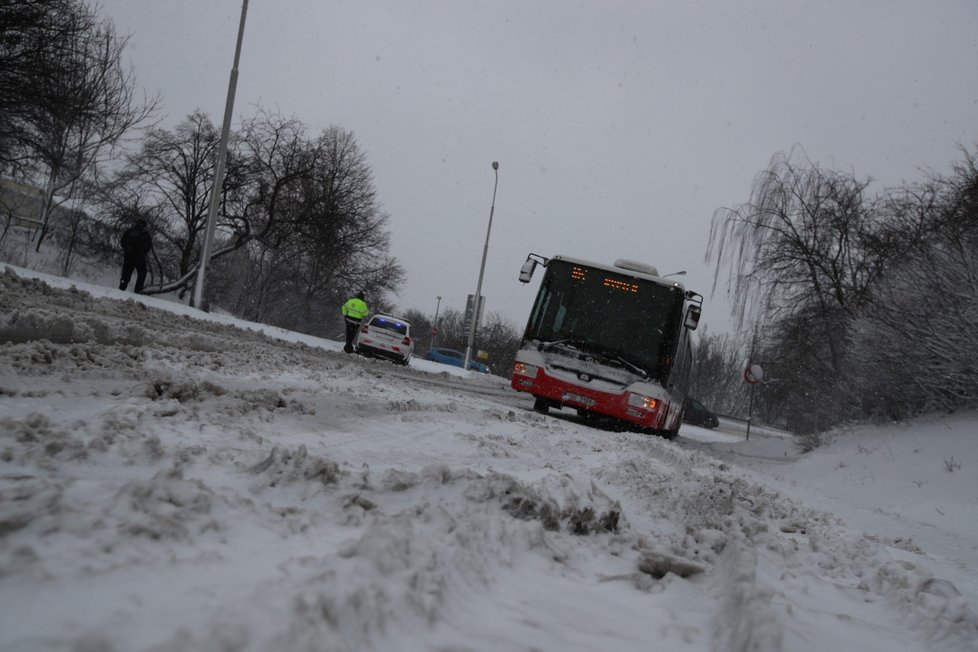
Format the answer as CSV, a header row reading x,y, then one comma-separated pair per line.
x,y
454,358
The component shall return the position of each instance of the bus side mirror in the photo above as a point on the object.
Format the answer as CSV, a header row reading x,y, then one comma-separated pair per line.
x,y
526,272
693,317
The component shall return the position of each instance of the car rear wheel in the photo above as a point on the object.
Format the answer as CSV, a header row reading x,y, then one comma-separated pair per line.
x,y
541,405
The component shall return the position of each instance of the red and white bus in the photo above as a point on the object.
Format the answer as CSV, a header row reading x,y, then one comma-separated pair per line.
x,y
610,340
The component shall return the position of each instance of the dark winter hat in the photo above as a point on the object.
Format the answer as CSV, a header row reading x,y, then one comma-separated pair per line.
x,y
360,296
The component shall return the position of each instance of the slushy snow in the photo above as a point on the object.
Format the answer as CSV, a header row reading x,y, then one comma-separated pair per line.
x,y
176,480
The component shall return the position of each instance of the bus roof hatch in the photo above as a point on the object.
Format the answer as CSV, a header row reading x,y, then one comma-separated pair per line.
x,y
635,266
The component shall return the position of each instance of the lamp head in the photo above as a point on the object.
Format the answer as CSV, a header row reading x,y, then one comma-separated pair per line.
x,y
495,165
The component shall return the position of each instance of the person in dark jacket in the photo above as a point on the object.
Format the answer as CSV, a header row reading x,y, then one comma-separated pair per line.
x,y
136,244
354,310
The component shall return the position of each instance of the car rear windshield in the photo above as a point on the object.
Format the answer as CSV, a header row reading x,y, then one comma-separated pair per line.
x,y
399,327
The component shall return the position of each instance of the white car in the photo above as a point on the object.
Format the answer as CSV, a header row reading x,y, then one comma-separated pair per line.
x,y
386,336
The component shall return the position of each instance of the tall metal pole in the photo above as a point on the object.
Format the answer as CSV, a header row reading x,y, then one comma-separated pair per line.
x,y
434,325
482,269
222,151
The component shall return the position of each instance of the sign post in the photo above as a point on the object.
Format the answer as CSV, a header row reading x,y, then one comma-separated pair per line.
x,y
477,310
753,375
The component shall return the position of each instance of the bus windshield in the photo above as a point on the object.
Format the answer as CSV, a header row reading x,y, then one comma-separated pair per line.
x,y
603,312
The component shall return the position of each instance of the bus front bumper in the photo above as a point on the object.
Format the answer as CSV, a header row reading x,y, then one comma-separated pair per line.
x,y
638,408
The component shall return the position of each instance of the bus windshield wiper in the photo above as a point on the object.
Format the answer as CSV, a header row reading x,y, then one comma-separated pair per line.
x,y
572,343
614,356
630,365
589,347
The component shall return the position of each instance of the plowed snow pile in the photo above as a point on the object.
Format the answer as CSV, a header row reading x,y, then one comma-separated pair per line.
x,y
175,483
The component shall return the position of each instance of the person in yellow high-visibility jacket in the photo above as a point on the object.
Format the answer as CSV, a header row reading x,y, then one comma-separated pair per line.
x,y
354,311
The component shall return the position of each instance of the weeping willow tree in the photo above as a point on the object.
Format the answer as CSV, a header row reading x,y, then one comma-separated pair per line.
x,y
801,256
863,305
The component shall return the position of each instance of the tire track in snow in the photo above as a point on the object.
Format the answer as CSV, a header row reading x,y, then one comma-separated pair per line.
x,y
762,552
762,547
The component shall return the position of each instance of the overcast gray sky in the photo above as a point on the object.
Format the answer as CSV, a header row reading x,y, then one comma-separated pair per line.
x,y
619,126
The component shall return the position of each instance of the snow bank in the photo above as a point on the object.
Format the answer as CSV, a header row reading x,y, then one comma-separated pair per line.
x,y
169,483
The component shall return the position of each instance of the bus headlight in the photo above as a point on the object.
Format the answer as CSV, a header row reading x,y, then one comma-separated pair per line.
x,y
644,402
524,369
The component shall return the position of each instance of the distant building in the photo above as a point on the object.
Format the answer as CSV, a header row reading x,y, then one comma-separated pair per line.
x,y
20,206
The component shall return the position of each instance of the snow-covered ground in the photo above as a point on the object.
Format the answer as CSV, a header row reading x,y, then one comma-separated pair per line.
x,y
172,480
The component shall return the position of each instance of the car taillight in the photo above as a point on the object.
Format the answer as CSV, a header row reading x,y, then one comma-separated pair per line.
x,y
406,341
363,329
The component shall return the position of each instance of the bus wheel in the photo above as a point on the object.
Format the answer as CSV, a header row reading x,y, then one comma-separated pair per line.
x,y
656,432
669,434
541,405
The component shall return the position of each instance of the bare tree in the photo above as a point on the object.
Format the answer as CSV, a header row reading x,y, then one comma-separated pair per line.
x,y
421,329
82,98
314,223
925,308
799,237
497,336
452,333
500,339
928,317
866,305
168,181
803,254
717,380
31,35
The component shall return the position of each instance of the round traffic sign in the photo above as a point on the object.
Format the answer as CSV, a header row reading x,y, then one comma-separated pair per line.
x,y
753,374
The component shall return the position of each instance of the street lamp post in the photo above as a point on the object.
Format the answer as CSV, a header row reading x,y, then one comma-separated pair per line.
x,y
222,151
434,324
482,269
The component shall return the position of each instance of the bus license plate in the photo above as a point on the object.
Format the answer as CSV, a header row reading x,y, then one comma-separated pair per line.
x,y
577,398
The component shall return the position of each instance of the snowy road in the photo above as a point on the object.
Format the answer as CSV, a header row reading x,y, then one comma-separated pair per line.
x,y
168,483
